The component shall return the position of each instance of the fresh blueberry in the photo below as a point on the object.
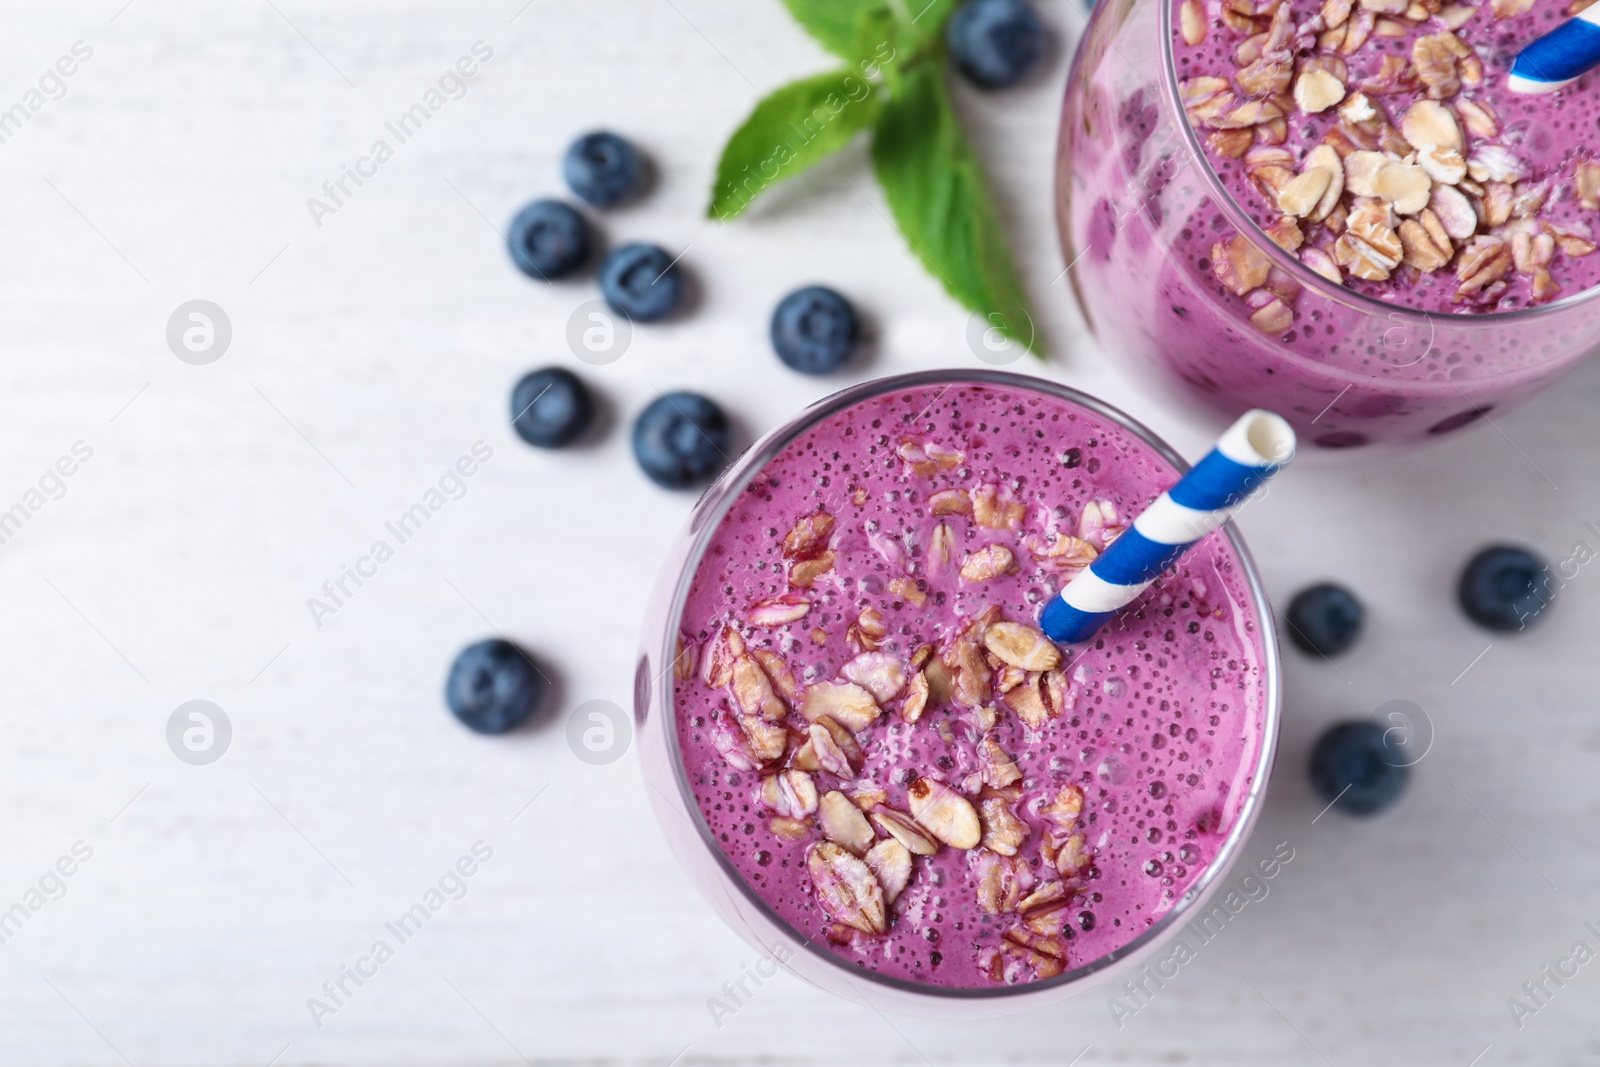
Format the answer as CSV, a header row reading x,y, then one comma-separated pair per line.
x,y
681,439
1325,619
814,330
603,169
1505,587
995,42
548,240
551,407
493,687
641,282
1355,768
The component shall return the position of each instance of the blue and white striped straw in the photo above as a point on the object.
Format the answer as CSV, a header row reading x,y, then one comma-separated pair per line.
x,y
1560,57
1251,451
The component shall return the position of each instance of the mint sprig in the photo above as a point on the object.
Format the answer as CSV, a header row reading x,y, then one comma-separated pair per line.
x,y
833,22
893,84
935,188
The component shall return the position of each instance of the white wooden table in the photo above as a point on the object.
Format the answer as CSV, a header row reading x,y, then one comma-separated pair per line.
x,y
371,352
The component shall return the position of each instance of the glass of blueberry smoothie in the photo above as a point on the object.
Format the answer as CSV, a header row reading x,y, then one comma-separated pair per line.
x,y
872,762
1334,209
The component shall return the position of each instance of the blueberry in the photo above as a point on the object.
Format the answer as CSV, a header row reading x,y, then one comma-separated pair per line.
x,y
551,407
995,42
1325,619
1356,769
493,687
814,330
548,240
602,168
641,282
1505,587
681,439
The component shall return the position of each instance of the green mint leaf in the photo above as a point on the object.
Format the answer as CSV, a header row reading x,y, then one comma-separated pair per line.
x,y
885,43
936,189
789,131
926,17
899,35
833,22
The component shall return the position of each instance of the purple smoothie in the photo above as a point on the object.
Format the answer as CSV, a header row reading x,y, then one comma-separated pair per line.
x,y
1524,163
1165,226
861,700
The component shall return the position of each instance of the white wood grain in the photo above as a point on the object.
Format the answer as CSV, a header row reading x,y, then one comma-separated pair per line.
x,y
178,563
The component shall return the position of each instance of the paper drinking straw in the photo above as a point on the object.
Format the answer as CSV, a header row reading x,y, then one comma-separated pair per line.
x,y
1251,451
1560,57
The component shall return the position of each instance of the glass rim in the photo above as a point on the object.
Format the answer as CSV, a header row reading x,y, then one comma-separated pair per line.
x,y
1301,273
719,499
